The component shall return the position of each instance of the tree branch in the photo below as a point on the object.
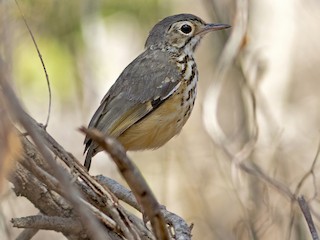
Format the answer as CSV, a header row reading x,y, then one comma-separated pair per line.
x,y
24,119
58,224
136,182
27,234
71,197
307,215
180,227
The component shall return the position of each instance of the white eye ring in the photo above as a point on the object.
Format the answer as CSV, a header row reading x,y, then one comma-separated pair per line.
x,y
186,28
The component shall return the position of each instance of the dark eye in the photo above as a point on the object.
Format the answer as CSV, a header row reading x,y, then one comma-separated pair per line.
x,y
186,28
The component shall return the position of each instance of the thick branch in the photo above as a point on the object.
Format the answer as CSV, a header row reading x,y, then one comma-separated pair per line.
x,y
136,182
52,190
181,228
58,224
27,185
25,120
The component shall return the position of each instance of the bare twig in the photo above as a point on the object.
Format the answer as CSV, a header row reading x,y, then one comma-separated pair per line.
x,y
108,199
120,191
34,185
42,62
133,177
27,234
308,173
51,182
181,228
298,188
254,170
306,212
71,193
99,196
103,198
58,224
104,218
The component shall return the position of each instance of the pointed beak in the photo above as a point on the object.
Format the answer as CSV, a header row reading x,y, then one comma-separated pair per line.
x,y
210,27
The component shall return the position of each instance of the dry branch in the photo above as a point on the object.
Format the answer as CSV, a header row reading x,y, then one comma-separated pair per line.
x,y
58,224
69,199
27,234
136,182
307,215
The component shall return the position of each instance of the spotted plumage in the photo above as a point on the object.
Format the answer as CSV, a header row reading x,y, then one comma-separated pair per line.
x,y
154,95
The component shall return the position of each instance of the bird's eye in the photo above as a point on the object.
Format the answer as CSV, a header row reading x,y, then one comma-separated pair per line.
x,y
186,28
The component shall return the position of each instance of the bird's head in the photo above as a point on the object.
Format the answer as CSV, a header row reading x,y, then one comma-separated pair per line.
x,y
180,32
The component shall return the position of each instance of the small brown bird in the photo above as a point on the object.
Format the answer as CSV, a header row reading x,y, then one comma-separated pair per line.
x,y
154,95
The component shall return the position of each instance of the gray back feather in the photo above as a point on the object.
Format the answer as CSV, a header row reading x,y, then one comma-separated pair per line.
x,y
147,78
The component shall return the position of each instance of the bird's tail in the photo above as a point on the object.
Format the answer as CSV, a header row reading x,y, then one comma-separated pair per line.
x,y
87,161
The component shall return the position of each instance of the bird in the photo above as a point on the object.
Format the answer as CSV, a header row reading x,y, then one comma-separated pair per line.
x,y
153,97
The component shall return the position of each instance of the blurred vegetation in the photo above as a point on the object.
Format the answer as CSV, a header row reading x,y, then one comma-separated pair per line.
x,y
85,46
58,29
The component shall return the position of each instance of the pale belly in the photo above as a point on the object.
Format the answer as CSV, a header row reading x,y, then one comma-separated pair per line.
x,y
163,123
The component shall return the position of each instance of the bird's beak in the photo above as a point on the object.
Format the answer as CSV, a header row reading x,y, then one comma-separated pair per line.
x,y
210,27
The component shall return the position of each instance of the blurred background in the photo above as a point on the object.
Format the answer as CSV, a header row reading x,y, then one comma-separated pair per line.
x,y
265,111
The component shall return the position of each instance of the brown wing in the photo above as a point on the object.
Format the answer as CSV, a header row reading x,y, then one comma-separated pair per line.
x,y
142,87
